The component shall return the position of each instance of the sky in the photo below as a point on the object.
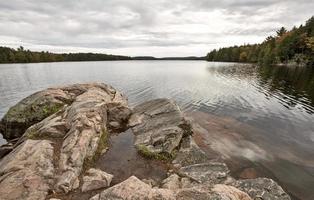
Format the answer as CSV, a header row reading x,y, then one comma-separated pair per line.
x,y
145,27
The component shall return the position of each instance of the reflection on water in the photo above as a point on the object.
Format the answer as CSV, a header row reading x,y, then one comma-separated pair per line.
x,y
296,83
292,86
275,105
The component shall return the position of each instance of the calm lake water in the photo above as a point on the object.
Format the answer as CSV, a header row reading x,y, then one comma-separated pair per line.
x,y
275,103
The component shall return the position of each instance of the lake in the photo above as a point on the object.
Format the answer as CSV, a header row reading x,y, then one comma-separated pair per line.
x,y
268,110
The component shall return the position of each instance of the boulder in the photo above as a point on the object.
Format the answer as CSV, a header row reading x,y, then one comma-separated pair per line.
x,y
159,126
40,105
31,110
96,179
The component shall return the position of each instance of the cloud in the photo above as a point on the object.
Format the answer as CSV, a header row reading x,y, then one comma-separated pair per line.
x,y
168,28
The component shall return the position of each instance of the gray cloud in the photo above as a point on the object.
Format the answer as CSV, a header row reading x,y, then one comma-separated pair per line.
x,y
177,27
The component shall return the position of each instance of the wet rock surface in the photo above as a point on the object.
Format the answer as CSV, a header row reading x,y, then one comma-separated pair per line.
x,y
55,155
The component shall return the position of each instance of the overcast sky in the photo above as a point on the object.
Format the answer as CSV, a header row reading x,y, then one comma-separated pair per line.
x,y
145,27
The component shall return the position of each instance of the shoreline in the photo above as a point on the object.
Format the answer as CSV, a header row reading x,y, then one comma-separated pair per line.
x,y
73,131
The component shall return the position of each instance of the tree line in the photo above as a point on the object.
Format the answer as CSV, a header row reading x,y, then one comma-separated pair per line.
x,y
21,55
295,46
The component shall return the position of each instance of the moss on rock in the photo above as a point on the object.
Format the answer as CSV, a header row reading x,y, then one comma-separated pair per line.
x,y
144,151
102,144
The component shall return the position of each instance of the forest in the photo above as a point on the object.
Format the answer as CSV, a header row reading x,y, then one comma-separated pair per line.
x,y
21,55
295,46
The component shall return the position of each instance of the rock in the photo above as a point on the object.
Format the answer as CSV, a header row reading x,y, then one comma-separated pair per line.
x,y
218,192
134,189
150,182
262,188
187,182
206,173
118,116
27,171
78,131
230,193
40,105
31,110
172,182
57,147
199,193
159,126
96,179
87,117
189,153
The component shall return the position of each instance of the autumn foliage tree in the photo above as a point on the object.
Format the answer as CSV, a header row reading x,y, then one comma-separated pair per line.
x,y
294,46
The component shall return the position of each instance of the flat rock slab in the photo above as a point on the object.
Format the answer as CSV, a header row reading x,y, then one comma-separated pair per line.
x,y
206,173
159,126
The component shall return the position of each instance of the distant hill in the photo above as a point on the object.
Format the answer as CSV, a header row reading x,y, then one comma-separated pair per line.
x,y
295,46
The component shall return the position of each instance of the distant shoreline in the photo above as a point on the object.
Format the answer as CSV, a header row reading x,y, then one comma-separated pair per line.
x,y
21,55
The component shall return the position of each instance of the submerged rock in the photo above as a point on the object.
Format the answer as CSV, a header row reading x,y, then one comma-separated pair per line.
x,y
159,126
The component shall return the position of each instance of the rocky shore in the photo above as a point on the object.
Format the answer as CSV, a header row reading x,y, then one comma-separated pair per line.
x,y
56,136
